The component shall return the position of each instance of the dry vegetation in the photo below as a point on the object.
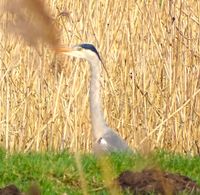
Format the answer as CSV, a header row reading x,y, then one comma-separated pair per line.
x,y
151,96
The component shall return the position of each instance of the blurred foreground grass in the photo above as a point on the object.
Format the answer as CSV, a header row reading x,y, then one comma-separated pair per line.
x,y
58,173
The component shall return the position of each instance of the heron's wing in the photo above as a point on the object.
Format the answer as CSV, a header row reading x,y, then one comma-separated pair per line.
x,y
112,142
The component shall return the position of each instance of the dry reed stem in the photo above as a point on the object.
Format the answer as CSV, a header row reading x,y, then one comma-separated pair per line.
x,y
108,175
81,174
151,96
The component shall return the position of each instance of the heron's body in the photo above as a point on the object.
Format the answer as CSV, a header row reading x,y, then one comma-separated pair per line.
x,y
110,142
105,139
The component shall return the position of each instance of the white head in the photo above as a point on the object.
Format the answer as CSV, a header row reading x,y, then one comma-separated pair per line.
x,y
85,51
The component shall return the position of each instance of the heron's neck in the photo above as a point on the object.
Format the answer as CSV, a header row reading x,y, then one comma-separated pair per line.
x,y
97,117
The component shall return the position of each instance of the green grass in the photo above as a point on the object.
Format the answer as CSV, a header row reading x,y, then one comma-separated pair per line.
x,y
57,173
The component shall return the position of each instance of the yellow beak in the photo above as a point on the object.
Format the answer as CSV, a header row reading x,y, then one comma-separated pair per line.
x,y
63,49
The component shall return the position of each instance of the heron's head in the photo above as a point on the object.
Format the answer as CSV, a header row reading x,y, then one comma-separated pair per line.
x,y
85,51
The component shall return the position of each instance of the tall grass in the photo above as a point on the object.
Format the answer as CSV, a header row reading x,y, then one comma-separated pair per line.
x,y
151,96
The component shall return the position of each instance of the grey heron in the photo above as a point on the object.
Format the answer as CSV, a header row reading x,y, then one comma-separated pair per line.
x,y
105,139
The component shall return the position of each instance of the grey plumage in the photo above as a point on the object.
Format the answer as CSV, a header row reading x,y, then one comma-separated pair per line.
x,y
110,142
105,139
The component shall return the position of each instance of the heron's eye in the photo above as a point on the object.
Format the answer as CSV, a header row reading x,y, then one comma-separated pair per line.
x,y
79,48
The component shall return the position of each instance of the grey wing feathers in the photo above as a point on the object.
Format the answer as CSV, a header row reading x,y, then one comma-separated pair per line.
x,y
115,142
110,142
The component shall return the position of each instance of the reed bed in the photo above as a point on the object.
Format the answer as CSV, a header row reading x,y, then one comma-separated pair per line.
x,y
151,95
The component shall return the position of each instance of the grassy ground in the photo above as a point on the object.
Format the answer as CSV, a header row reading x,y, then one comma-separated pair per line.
x,y
59,173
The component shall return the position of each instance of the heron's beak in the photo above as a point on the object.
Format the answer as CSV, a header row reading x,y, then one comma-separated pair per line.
x,y
63,49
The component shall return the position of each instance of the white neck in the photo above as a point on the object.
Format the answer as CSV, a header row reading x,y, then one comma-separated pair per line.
x,y
98,123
